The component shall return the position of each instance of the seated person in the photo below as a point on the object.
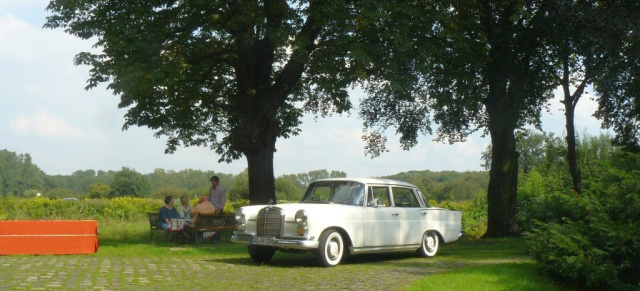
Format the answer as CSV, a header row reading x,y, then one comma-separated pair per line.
x,y
203,207
167,212
184,209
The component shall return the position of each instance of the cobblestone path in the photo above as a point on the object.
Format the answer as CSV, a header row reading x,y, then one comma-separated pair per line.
x,y
207,273
370,272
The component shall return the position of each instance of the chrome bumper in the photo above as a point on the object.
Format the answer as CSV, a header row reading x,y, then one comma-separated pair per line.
x,y
286,243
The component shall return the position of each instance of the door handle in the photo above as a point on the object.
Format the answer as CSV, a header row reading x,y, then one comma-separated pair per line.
x,y
395,214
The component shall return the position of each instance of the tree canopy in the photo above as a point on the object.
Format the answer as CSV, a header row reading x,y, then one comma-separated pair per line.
x,y
128,182
232,75
618,85
468,66
492,65
18,174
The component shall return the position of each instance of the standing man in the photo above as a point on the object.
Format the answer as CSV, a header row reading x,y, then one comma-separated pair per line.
x,y
217,196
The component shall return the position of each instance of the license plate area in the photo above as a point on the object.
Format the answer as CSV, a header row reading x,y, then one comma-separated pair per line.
x,y
266,241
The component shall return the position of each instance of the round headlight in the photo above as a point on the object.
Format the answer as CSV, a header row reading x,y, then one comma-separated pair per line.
x,y
301,217
240,216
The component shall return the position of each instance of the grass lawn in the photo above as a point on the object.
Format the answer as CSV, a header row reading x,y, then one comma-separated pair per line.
x,y
127,260
501,276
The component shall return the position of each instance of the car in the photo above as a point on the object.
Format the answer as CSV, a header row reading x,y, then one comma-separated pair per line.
x,y
343,216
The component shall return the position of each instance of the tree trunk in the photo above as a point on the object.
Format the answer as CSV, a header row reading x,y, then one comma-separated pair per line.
x,y
256,139
572,158
503,180
503,110
570,101
261,179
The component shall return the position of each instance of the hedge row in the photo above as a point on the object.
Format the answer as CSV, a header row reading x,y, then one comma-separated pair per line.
x,y
133,209
124,208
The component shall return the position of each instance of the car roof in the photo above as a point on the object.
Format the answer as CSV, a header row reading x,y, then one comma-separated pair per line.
x,y
371,181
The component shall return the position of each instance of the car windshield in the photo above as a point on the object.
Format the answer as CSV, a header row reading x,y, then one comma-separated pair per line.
x,y
342,192
424,198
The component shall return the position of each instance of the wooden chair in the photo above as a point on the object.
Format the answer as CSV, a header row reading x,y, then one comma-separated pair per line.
x,y
213,223
153,224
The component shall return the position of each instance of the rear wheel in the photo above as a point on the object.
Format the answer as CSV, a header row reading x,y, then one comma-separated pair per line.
x,y
430,242
331,248
261,254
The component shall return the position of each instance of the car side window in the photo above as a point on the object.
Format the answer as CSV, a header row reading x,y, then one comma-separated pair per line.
x,y
380,196
404,197
321,193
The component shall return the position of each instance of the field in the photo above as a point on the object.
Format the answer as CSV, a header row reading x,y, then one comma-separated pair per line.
x,y
127,260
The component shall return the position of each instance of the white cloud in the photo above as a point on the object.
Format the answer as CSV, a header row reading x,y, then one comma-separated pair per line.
x,y
43,124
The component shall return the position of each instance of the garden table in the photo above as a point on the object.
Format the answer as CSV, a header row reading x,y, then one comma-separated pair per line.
x,y
176,226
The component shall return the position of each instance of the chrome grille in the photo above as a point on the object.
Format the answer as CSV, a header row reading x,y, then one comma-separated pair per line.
x,y
270,222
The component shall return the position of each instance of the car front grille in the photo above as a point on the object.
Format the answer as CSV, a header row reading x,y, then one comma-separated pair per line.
x,y
270,222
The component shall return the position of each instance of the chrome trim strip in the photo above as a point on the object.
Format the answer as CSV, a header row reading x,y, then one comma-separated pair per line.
x,y
363,250
279,242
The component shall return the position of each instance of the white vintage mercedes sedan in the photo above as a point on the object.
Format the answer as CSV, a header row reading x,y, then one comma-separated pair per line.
x,y
336,217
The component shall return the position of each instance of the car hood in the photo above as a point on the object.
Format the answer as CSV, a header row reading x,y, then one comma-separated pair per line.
x,y
290,209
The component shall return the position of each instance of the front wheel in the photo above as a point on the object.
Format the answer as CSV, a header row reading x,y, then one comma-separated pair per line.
x,y
430,242
331,248
261,254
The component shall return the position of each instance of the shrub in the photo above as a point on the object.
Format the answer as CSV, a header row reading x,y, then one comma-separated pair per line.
x,y
599,248
231,206
474,215
124,208
541,199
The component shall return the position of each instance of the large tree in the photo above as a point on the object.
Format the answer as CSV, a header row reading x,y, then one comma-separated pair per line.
x,y
587,39
231,74
618,84
18,174
128,182
474,65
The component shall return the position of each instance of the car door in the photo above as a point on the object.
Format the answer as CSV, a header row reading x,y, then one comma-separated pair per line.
x,y
380,219
410,215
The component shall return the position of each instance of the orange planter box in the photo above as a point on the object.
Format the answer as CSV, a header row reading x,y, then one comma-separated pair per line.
x,y
56,237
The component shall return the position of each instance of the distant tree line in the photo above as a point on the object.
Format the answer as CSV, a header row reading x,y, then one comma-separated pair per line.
x,y
19,177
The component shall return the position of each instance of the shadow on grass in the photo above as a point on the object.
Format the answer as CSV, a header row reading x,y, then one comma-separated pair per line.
x,y
307,259
129,239
501,276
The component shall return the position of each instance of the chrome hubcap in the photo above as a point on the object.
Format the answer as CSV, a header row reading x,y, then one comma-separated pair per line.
x,y
333,249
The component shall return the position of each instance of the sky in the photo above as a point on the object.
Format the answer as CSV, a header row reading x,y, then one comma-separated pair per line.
x,y
46,113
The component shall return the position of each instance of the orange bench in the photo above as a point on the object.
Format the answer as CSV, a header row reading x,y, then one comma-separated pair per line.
x,y
59,237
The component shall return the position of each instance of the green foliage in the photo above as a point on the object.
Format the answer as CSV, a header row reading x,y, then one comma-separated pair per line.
x,y
542,199
120,208
306,178
543,151
447,185
543,192
124,208
474,215
194,181
98,190
231,206
233,76
175,192
598,245
59,193
128,182
18,174
287,190
240,188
